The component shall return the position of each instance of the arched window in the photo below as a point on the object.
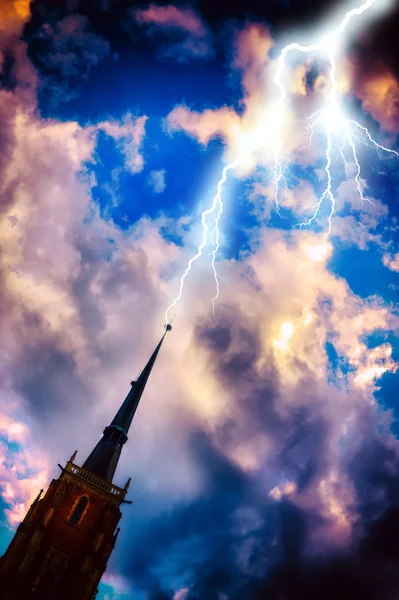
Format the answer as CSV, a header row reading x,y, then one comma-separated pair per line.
x,y
78,511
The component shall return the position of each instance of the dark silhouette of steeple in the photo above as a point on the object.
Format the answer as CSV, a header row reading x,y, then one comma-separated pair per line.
x,y
61,548
103,460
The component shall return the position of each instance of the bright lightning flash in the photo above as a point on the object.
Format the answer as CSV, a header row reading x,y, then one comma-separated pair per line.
x,y
331,118
215,210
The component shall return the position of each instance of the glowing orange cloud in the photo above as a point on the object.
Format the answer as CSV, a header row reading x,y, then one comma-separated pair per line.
x,y
380,97
13,15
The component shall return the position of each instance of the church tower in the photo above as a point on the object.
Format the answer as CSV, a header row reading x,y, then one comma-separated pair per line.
x,y
61,548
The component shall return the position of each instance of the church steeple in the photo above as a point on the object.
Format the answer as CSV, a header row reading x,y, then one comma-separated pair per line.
x,y
103,460
61,548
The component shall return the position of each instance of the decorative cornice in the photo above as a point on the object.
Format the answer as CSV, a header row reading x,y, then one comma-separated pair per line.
x,y
94,481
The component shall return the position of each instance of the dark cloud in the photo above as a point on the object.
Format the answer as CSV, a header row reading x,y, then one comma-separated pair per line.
x,y
374,470
374,46
368,571
65,52
46,374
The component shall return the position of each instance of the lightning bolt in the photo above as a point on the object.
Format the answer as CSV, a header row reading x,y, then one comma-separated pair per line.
x,y
360,183
216,210
330,117
279,168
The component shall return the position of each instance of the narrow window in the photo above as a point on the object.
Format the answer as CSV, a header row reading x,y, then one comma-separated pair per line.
x,y
78,511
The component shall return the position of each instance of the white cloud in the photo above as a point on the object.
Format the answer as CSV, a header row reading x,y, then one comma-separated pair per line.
x,y
391,261
128,134
156,180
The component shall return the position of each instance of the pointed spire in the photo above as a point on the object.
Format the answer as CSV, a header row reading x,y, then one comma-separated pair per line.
x,y
104,458
73,456
32,506
125,414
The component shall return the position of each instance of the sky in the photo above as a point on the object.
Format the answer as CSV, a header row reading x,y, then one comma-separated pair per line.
x,y
264,455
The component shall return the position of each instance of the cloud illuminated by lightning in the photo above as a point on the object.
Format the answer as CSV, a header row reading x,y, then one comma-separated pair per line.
x,y
331,117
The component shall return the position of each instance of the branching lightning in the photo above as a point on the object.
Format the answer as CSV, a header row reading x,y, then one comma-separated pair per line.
x,y
215,210
333,121
330,117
